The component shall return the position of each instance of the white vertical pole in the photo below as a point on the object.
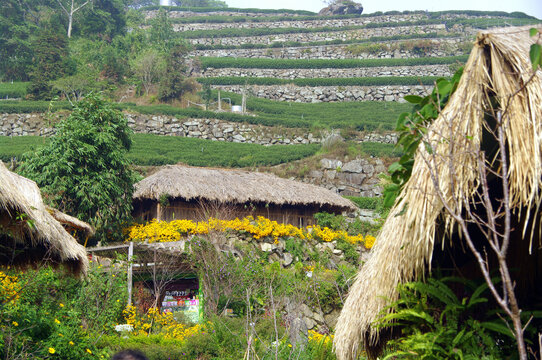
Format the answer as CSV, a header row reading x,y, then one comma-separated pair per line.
x,y
219,102
130,268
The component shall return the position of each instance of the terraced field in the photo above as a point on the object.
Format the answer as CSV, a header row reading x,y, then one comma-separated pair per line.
x,y
303,57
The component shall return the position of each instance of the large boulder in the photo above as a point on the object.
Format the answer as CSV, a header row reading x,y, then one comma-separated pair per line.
x,y
342,8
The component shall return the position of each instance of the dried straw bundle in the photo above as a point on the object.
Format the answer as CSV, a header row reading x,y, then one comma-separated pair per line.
x,y
235,186
498,66
36,236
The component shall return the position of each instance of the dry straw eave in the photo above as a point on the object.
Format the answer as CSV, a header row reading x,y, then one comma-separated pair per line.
x,y
36,236
234,186
498,65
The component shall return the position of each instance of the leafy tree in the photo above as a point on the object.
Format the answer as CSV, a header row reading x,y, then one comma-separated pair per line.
x,y
175,83
149,67
162,35
51,61
83,169
104,18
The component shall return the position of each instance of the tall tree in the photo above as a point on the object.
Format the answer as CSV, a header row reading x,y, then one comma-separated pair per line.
x,y
83,170
51,60
70,7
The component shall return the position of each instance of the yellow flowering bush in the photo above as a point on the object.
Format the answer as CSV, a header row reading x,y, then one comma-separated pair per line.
x,y
157,322
325,339
9,288
261,227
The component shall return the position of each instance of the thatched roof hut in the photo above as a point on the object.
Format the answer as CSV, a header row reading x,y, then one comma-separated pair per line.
x,y
236,187
498,68
29,233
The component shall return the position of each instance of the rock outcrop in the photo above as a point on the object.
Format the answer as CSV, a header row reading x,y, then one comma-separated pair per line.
x,y
342,8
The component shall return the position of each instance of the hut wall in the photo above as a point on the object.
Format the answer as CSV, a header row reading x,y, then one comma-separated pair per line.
x,y
195,210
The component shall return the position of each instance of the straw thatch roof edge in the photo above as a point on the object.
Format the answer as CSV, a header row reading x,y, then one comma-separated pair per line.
x,y
499,66
234,186
36,236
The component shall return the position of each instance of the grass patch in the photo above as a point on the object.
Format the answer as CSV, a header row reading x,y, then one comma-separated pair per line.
x,y
148,149
13,90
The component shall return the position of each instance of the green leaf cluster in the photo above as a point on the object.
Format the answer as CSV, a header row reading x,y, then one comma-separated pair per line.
x,y
83,170
412,127
535,52
436,324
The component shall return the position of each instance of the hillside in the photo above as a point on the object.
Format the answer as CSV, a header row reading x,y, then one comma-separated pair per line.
x,y
306,77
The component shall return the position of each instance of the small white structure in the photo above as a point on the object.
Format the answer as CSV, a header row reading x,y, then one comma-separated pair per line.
x,y
237,108
165,2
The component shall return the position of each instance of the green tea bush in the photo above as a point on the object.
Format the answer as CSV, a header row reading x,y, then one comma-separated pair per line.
x,y
148,149
13,90
261,63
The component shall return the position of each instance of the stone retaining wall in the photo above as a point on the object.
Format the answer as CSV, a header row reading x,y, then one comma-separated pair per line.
x,y
322,36
212,129
442,47
422,70
300,24
316,94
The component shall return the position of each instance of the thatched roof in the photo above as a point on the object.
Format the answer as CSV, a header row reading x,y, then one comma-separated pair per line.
x,y
71,223
235,186
28,232
498,66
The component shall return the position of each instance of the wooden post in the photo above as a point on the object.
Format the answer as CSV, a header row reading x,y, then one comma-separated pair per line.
x,y
130,269
158,211
219,102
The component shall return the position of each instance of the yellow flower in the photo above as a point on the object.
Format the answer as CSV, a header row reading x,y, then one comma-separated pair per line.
x,y
71,343
52,350
289,345
15,323
61,305
88,350
57,321
59,334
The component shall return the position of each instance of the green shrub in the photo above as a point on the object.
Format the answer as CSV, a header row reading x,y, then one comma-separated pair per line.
x,y
436,324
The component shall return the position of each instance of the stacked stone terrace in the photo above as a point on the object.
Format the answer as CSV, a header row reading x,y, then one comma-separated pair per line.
x,y
333,38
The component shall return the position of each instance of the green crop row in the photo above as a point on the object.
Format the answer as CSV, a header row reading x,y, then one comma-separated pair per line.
x,y
229,9
13,90
361,81
235,32
150,149
279,44
262,63
360,115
